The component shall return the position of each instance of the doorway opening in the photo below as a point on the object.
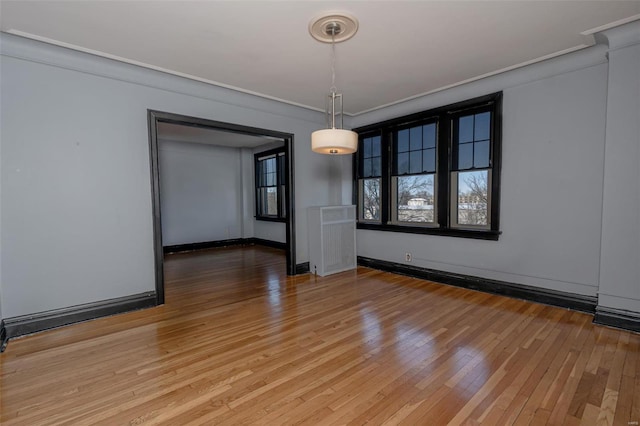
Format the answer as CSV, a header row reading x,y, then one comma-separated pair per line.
x,y
160,121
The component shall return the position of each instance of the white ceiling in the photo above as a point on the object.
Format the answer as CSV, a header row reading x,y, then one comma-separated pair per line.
x,y
403,48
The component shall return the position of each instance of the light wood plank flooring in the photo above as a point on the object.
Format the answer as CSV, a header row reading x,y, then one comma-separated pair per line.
x,y
238,342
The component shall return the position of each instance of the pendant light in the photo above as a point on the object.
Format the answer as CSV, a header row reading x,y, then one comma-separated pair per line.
x,y
334,28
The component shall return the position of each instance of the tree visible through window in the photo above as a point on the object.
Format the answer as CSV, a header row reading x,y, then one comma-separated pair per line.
x,y
433,172
414,168
470,170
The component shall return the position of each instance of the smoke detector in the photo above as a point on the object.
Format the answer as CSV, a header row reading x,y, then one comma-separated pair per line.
x,y
333,27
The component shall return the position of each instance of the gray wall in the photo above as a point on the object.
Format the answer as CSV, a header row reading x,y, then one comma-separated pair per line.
x,y
200,192
551,195
207,193
620,261
75,184
75,205
570,206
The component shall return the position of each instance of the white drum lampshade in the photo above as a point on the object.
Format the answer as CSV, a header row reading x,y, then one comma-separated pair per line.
x,y
334,141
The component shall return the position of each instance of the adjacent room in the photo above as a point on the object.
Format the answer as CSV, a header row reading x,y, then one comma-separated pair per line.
x,y
285,212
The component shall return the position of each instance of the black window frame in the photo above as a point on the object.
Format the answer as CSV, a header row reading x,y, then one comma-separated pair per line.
x,y
280,155
444,118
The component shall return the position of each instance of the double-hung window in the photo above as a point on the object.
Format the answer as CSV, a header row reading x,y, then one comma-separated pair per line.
x,y
369,183
413,175
471,170
435,172
270,185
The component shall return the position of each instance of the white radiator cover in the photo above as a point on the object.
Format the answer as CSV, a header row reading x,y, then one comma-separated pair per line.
x,y
332,239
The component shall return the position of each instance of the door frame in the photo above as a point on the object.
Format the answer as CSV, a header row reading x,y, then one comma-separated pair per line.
x,y
154,117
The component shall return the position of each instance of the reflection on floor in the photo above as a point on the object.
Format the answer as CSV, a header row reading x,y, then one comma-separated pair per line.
x,y
240,342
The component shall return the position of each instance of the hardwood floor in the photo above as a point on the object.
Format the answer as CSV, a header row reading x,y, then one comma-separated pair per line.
x,y
238,342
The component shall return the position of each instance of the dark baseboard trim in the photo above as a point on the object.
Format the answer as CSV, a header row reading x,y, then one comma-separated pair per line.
x,y
302,268
268,243
573,301
3,337
179,248
28,324
205,245
617,318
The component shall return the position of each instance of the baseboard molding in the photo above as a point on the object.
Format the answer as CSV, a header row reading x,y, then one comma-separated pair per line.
x,y
205,245
179,248
573,301
3,337
302,268
268,243
28,324
617,318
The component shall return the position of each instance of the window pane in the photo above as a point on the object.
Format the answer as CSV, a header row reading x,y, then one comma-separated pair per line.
x,y
366,172
415,161
271,179
375,146
482,126
429,136
271,165
403,163
272,201
465,129
415,138
375,166
371,199
264,201
415,199
465,156
366,149
481,154
429,160
472,198
403,141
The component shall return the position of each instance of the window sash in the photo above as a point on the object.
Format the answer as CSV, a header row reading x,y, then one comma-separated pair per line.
x,y
476,201
420,210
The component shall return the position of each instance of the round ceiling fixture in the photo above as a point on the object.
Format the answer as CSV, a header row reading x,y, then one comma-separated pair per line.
x,y
333,27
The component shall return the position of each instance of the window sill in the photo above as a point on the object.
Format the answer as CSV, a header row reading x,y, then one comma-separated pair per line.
x,y
448,232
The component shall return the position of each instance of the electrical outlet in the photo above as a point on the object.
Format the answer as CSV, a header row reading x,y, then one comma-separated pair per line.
x,y
407,257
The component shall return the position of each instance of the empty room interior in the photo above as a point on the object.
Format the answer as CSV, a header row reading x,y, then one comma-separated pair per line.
x,y
320,212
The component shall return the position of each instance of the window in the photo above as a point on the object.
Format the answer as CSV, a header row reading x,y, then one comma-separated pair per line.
x,y
369,184
414,174
270,185
435,172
